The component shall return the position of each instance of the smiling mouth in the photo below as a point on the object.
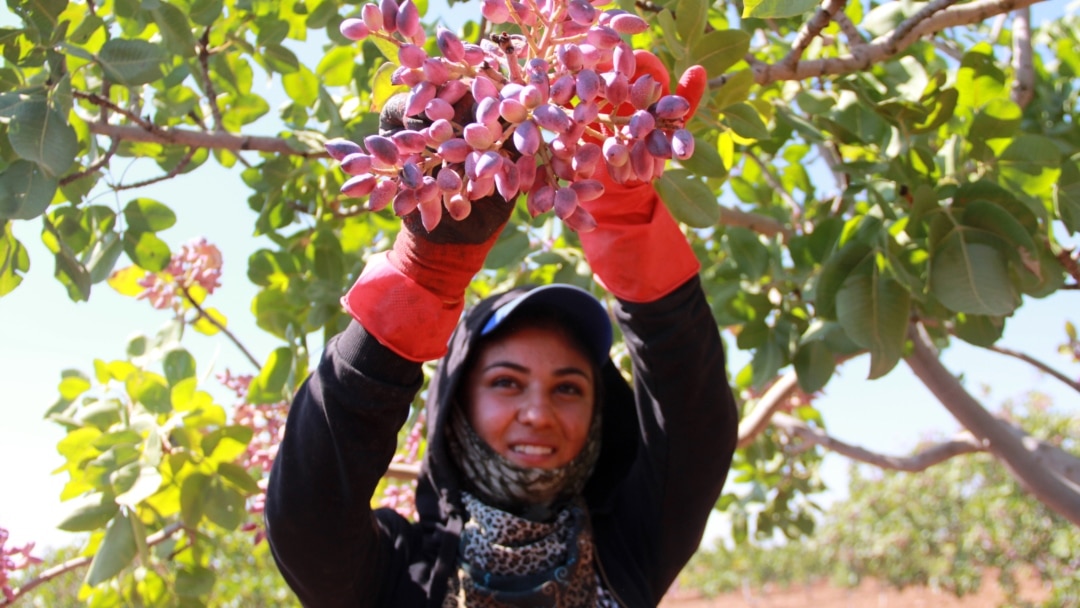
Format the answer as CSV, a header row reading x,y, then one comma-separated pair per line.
x,y
533,450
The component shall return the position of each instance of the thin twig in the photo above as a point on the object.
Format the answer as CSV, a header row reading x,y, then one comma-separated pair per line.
x,y
105,102
79,562
854,36
101,162
217,324
153,180
211,95
774,182
1073,384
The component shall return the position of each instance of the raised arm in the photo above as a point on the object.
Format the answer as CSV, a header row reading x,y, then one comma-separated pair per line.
x,y
342,428
688,418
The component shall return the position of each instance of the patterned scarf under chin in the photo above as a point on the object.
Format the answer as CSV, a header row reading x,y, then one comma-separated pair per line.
x,y
512,561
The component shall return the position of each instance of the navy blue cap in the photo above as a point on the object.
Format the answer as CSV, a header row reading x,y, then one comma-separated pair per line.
x,y
587,313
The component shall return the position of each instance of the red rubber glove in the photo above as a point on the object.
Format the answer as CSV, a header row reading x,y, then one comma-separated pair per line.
x,y
637,250
411,297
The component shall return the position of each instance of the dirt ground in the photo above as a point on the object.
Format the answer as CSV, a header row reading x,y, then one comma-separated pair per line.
x,y
868,595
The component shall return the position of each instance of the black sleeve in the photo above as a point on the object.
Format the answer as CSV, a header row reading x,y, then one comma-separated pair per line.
x,y
689,426
340,436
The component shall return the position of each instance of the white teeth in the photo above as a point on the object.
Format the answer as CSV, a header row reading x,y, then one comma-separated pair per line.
x,y
533,450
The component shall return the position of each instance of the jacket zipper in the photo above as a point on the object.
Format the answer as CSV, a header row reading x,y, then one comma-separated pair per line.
x,y
607,583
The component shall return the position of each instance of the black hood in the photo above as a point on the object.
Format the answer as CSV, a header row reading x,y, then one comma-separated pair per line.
x,y
438,493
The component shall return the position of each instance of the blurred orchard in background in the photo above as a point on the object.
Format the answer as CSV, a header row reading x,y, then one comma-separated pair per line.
x,y
870,182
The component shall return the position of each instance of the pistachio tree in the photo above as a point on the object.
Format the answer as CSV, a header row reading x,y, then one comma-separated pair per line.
x,y
870,180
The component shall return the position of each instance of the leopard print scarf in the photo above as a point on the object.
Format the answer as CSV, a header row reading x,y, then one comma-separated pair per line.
x,y
535,494
508,560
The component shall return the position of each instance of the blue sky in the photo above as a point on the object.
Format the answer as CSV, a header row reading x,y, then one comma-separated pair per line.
x,y
44,333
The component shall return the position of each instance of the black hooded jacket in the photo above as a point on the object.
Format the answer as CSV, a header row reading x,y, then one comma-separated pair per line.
x,y
667,447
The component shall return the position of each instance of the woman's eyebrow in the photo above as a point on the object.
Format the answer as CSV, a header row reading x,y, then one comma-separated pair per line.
x,y
562,371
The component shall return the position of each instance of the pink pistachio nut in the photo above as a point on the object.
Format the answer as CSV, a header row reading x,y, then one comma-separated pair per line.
x,y
382,195
338,148
356,163
671,107
682,144
354,29
389,10
540,200
360,185
449,45
383,150
454,150
373,17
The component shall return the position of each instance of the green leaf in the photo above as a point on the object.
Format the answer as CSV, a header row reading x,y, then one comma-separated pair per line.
x,y
117,549
873,309
972,277
269,385
1066,198
224,506
25,191
194,581
834,272
510,249
280,59
692,13
192,498
14,261
102,258
175,29
131,62
689,199
705,160
766,363
144,486
148,215
90,516
980,330
997,119
179,365
146,250
775,9
1031,164
748,252
239,478
745,121
814,366
205,12
151,390
40,134
302,86
994,219
335,69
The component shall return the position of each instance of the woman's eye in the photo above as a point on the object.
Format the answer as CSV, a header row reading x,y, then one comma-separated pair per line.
x,y
571,389
503,382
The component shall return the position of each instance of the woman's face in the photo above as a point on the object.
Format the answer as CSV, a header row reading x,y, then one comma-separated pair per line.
x,y
530,397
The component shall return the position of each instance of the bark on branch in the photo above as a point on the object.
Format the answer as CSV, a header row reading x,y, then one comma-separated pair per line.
x,y
79,562
887,46
198,139
919,461
1028,466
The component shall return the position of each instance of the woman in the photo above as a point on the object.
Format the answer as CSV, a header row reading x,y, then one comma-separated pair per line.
x,y
547,480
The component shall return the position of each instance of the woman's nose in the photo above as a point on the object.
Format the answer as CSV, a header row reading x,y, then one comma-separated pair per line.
x,y
536,410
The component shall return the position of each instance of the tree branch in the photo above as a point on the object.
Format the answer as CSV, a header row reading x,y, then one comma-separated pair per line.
x,y
1023,87
767,405
217,324
217,140
760,224
810,30
919,461
153,180
774,182
1030,469
884,48
79,562
1038,364
203,47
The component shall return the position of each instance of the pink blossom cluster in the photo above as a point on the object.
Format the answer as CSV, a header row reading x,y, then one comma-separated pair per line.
x,y
401,497
11,560
197,263
267,420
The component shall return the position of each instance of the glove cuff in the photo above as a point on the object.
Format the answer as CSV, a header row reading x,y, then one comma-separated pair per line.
x,y
640,262
400,312
443,269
